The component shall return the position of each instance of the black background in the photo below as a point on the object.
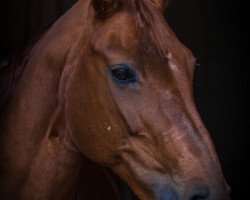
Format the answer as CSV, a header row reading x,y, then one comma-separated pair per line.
x,y
214,30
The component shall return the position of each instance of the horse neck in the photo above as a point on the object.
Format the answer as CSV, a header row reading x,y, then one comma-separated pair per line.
x,y
55,168
36,152
49,171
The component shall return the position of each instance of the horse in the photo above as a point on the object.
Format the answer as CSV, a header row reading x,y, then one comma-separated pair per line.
x,y
108,83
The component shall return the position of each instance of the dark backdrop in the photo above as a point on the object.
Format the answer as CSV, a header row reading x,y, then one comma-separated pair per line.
x,y
213,30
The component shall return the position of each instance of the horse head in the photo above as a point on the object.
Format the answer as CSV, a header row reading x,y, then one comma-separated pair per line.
x,y
127,95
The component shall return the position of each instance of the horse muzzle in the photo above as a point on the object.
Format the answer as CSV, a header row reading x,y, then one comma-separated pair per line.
x,y
198,193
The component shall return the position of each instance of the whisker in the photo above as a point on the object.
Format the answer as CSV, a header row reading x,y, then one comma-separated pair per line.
x,y
198,64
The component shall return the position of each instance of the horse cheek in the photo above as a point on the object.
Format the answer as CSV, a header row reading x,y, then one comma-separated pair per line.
x,y
86,120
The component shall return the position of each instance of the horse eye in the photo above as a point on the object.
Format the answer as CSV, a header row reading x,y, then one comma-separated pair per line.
x,y
123,75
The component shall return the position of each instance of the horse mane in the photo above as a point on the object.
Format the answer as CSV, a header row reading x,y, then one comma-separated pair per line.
x,y
11,73
149,19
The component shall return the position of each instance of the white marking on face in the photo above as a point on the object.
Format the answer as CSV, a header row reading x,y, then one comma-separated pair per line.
x,y
172,65
169,55
109,128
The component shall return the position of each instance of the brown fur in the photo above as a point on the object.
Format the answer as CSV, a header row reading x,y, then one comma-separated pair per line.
x,y
67,110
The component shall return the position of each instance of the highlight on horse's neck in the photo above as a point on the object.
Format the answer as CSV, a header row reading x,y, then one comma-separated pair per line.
x,y
34,135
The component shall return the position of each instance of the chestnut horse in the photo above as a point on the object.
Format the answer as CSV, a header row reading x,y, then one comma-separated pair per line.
x,y
109,82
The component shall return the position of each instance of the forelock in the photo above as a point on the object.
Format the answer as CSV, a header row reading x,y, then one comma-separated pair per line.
x,y
149,16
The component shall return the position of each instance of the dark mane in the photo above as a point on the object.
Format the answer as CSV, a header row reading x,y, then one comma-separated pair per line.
x,y
11,73
149,19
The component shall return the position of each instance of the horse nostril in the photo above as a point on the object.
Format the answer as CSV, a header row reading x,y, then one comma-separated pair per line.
x,y
200,193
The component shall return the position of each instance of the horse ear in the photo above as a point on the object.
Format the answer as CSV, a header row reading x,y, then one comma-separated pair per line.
x,y
105,8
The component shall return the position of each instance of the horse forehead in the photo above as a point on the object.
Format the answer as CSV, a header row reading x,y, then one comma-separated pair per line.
x,y
119,31
123,31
